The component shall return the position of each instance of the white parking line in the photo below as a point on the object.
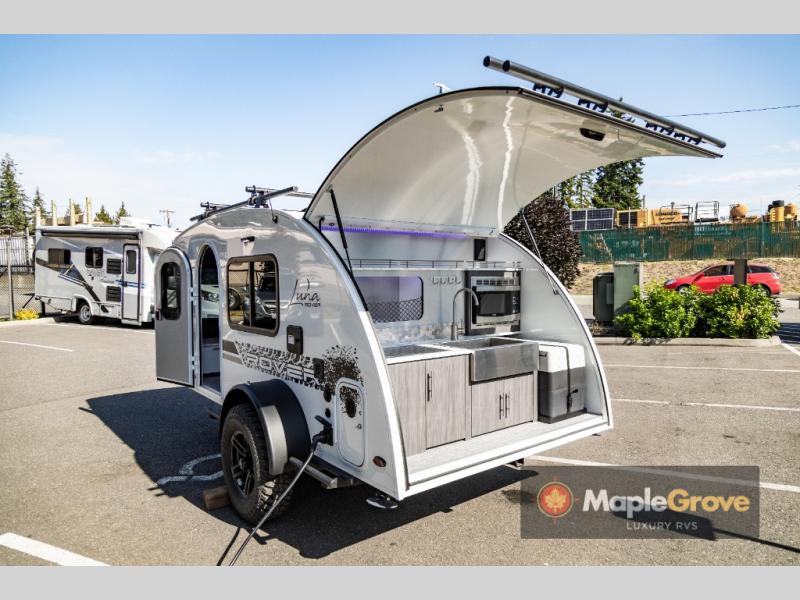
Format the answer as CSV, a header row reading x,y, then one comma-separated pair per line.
x,y
46,551
708,404
36,346
106,327
702,368
790,349
780,487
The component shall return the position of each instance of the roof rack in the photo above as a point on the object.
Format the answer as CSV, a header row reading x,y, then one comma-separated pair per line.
x,y
259,198
554,87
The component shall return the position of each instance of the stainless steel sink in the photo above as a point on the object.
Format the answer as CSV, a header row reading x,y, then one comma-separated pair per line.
x,y
496,357
478,343
410,350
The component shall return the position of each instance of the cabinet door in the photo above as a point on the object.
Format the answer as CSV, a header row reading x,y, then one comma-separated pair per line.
x,y
520,395
446,400
408,387
488,406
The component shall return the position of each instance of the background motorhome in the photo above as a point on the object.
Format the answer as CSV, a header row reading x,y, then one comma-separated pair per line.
x,y
100,270
334,336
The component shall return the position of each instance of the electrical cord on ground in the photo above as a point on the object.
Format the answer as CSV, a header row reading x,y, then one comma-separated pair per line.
x,y
322,436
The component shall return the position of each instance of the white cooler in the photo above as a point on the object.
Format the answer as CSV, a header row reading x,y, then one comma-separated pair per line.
x,y
562,381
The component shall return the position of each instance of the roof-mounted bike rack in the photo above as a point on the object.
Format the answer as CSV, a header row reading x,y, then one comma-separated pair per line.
x,y
259,198
554,87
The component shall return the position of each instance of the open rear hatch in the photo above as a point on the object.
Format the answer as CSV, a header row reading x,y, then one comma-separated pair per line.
x,y
469,160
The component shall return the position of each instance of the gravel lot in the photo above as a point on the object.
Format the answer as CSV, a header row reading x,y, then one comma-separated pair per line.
x,y
86,433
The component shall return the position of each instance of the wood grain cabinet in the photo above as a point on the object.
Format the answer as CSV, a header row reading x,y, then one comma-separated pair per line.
x,y
431,397
503,403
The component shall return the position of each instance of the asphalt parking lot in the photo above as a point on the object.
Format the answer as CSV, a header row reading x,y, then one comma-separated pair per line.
x,y
100,460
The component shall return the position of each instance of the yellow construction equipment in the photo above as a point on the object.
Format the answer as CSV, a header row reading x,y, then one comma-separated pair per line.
x,y
653,217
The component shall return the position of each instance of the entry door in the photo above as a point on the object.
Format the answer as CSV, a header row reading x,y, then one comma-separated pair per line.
x,y
174,347
131,282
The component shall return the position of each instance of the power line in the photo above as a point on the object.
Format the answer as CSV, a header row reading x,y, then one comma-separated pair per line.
x,y
730,112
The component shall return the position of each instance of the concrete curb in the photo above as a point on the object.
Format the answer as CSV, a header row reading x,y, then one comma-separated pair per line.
x,y
622,341
40,321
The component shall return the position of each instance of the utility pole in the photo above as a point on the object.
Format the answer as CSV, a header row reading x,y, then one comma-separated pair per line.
x,y
168,215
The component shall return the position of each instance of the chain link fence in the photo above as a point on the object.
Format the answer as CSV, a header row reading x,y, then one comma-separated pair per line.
x,y
693,242
17,276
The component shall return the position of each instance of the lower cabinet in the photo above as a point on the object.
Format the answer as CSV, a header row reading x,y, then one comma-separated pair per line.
x,y
503,403
431,398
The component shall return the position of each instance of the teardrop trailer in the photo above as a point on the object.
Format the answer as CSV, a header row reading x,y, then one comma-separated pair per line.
x,y
390,334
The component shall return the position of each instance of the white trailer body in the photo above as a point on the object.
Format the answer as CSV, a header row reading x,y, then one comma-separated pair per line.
x,y
100,270
306,328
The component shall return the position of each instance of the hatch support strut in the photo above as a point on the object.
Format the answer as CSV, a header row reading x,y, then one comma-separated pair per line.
x,y
536,247
341,229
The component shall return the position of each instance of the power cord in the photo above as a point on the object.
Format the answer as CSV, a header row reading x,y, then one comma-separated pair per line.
x,y
324,436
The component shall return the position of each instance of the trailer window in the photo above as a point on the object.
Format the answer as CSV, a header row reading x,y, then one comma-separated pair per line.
x,y
265,306
238,281
58,257
253,294
392,299
130,262
94,258
171,291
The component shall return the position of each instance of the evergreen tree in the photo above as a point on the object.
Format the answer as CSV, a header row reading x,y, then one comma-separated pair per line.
x,y
78,212
617,185
122,212
13,202
578,191
102,216
549,220
38,202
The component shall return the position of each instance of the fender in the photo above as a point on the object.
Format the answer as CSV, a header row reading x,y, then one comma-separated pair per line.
x,y
78,297
282,419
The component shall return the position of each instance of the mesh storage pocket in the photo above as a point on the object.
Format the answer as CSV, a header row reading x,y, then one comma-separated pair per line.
x,y
400,310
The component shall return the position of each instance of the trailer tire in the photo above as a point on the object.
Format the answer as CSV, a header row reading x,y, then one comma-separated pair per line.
x,y
244,451
84,311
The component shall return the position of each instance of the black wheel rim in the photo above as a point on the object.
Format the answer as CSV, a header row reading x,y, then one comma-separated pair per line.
x,y
242,464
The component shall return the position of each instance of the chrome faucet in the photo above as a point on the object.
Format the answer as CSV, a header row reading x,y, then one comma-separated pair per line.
x,y
454,327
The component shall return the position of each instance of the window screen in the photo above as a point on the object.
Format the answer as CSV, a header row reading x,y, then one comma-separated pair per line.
x,y
238,285
113,266
58,257
265,306
170,291
391,299
130,262
94,258
253,294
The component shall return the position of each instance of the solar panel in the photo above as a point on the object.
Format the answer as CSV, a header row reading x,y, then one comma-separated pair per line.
x,y
591,219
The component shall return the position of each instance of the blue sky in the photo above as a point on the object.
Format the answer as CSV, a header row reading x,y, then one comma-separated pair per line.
x,y
172,121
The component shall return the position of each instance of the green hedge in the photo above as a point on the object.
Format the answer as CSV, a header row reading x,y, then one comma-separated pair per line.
x,y
733,311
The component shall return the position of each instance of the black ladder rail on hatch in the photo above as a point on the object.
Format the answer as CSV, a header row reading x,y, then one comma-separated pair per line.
x,y
554,87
